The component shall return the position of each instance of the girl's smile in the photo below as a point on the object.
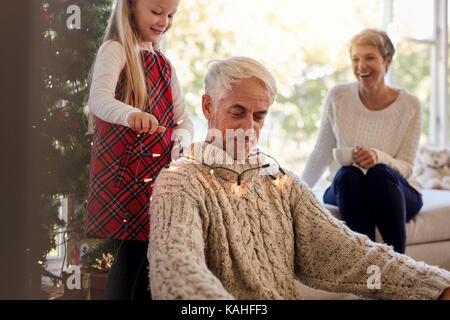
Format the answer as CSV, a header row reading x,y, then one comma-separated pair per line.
x,y
153,18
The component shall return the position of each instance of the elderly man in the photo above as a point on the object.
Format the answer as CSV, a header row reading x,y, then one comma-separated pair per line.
x,y
228,224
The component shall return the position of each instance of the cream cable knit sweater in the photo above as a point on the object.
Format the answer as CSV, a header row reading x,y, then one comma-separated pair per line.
x,y
393,133
209,242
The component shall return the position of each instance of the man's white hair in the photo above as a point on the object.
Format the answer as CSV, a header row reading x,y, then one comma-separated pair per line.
x,y
223,73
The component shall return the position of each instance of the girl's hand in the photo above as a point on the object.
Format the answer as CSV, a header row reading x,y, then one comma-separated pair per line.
x,y
365,157
144,122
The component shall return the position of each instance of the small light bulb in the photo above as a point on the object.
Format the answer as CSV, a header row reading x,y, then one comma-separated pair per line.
x,y
40,262
155,155
236,188
211,171
57,52
124,220
148,180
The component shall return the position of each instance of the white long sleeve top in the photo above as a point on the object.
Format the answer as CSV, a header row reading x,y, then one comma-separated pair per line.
x,y
393,133
109,64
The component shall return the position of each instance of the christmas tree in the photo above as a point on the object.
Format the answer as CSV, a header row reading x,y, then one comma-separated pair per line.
x,y
70,36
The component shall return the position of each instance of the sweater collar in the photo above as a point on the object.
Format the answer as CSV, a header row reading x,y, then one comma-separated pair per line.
x,y
214,160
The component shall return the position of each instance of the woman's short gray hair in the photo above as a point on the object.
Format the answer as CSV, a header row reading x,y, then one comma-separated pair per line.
x,y
223,73
377,38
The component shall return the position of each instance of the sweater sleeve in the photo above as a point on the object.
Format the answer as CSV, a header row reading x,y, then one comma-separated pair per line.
x,y
331,257
185,131
321,155
108,65
178,269
403,162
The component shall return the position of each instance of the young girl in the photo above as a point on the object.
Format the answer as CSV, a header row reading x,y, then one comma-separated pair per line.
x,y
137,101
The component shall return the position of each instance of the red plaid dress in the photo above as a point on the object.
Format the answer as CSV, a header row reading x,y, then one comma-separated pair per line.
x,y
118,199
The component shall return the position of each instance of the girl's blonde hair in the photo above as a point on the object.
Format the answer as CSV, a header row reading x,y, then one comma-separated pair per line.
x,y
121,28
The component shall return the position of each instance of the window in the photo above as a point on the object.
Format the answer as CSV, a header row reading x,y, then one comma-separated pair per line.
x,y
412,72
421,64
56,257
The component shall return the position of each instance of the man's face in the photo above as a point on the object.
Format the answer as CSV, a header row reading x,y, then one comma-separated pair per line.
x,y
238,116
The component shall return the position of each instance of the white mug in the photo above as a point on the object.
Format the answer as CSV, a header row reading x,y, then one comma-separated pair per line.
x,y
343,156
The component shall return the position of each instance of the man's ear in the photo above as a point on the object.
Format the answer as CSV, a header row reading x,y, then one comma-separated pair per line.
x,y
207,106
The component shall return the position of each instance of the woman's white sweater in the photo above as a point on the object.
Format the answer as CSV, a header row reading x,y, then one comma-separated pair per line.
x,y
393,133
210,240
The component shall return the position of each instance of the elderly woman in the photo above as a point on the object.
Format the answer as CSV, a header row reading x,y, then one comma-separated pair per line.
x,y
223,228
382,125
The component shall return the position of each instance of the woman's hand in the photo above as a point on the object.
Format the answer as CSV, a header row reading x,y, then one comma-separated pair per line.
x,y
144,122
365,157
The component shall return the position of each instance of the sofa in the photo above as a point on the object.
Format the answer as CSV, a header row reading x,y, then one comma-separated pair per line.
x,y
428,238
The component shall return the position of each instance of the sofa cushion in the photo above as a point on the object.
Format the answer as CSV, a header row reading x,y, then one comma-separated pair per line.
x,y
430,225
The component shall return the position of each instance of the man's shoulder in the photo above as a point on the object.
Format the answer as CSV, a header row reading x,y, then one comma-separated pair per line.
x,y
179,176
293,183
294,178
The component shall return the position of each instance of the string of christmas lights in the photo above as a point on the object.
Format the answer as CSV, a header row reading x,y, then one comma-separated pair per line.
x,y
238,174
